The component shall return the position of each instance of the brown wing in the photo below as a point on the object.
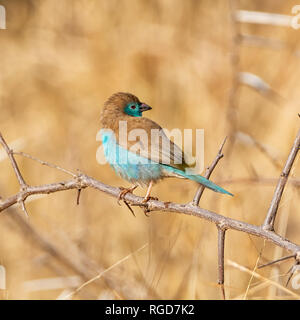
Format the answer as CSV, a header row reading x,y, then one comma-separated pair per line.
x,y
147,138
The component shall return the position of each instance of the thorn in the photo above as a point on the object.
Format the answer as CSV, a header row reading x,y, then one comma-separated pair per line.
x,y
24,209
144,206
78,196
129,207
222,290
146,212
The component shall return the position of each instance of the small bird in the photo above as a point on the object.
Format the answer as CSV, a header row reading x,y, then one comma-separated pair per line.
x,y
143,168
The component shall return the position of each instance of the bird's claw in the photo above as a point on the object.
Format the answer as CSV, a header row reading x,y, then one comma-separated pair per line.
x,y
123,193
146,209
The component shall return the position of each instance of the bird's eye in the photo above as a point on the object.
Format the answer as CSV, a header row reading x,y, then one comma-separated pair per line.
x,y
133,107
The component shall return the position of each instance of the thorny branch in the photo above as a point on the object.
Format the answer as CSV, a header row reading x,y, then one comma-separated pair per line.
x,y
10,154
19,176
208,173
221,250
271,215
81,181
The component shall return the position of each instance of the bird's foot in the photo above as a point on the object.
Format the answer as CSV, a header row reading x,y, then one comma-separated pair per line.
x,y
145,200
124,191
122,194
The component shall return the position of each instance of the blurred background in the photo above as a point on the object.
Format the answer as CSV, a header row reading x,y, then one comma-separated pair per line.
x,y
193,62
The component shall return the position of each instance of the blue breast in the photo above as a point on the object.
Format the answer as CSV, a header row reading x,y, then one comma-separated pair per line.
x,y
127,164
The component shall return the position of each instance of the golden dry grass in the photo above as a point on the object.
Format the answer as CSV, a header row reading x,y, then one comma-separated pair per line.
x,y
60,60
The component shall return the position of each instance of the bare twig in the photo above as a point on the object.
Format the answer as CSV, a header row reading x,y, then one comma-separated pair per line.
x,y
271,215
16,169
221,248
208,173
276,261
13,162
45,163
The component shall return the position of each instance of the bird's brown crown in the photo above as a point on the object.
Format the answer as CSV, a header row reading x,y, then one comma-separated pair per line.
x,y
119,100
114,107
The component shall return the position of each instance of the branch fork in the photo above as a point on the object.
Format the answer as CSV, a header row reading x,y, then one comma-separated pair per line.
x,y
80,181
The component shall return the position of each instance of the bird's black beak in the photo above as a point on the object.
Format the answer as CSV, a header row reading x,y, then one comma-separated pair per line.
x,y
144,107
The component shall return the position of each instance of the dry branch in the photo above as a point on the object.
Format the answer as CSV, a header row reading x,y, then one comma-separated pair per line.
x,y
271,215
221,251
223,223
19,176
84,181
13,162
208,173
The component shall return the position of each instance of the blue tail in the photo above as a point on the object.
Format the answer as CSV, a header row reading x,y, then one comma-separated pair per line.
x,y
207,183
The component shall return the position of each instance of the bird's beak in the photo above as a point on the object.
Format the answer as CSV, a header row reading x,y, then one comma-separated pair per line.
x,y
144,107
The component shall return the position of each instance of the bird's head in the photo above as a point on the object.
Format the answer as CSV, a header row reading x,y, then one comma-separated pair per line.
x,y
126,104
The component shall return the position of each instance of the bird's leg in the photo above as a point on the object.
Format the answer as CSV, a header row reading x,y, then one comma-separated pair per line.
x,y
147,196
124,191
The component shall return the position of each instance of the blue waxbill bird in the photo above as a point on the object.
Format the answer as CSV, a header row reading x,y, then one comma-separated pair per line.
x,y
143,168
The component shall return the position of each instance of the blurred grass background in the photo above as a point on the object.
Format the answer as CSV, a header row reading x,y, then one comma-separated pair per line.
x,y
59,62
